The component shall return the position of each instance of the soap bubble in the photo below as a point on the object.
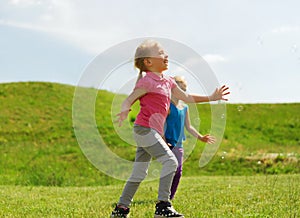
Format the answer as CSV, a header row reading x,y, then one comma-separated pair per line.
x,y
240,108
260,40
155,172
294,48
197,120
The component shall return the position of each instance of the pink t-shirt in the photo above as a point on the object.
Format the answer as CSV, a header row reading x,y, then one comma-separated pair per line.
x,y
155,104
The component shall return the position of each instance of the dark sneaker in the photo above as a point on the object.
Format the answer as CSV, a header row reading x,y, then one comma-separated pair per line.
x,y
120,212
165,209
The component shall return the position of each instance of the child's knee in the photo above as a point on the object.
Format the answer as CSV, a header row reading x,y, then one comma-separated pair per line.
x,y
137,178
174,161
140,171
179,171
168,161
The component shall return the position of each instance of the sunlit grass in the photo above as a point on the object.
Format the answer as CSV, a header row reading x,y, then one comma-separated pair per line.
x,y
213,196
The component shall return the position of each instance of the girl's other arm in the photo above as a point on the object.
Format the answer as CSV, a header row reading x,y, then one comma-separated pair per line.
x,y
206,138
218,94
135,94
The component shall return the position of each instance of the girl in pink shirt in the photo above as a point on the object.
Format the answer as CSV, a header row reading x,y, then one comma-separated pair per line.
x,y
154,89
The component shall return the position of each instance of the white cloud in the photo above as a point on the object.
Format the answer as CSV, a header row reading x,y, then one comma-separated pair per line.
x,y
25,2
214,58
66,21
244,43
286,29
47,17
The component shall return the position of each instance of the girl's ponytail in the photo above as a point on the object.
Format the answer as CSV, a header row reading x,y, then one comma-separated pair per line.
x,y
139,63
139,76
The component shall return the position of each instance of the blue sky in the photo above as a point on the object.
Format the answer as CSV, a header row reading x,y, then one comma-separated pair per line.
x,y
252,46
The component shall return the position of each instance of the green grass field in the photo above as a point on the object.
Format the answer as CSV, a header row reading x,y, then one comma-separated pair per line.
x,y
203,196
43,172
39,146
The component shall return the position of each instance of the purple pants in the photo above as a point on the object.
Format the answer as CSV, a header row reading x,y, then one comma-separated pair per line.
x,y
178,152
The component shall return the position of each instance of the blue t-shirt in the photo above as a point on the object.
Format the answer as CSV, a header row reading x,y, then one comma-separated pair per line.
x,y
174,126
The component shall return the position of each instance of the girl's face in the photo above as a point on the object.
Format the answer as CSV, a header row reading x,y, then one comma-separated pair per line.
x,y
158,61
183,85
181,82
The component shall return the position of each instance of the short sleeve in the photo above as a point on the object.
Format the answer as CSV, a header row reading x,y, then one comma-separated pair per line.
x,y
186,108
172,82
143,83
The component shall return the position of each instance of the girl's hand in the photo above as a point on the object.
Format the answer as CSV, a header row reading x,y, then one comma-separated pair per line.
x,y
170,146
122,116
208,139
219,94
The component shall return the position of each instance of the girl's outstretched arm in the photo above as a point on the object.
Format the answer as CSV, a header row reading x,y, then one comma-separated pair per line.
x,y
135,94
218,94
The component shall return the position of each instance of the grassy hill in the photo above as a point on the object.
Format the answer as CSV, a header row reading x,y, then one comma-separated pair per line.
x,y
38,145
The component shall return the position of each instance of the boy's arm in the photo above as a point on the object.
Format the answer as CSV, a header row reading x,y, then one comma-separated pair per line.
x,y
135,94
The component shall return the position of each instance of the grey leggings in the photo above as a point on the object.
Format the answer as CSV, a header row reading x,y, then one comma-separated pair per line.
x,y
150,144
